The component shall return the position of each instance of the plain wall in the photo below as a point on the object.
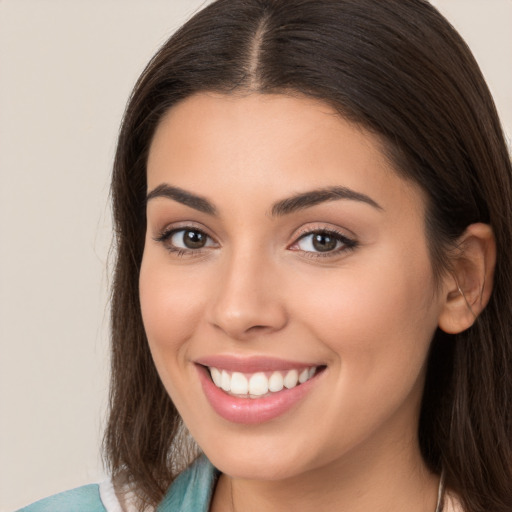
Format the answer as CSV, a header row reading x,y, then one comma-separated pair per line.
x,y
66,70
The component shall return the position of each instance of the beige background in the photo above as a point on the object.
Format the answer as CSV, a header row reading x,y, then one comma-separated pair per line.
x,y
67,67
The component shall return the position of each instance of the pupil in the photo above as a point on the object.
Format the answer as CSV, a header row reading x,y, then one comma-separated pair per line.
x,y
323,242
194,239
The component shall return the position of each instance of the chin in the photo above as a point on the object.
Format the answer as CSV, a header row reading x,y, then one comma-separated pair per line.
x,y
259,463
245,469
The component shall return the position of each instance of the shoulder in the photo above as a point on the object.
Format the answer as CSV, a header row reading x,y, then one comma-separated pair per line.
x,y
82,499
192,491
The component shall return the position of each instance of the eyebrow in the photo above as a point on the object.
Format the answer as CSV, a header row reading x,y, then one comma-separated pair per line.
x,y
286,206
182,196
321,195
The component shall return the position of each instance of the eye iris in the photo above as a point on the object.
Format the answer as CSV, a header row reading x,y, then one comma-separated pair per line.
x,y
194,239
323,242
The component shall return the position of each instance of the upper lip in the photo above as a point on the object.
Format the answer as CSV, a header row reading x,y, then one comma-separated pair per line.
x,y
251,364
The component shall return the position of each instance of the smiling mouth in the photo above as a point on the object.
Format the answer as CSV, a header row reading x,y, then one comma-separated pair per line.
x,y
260,384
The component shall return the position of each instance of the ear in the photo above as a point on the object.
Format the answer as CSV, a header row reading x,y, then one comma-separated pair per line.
x,y
467,289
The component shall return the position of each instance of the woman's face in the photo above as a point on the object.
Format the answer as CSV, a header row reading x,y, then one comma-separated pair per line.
x,y
280,246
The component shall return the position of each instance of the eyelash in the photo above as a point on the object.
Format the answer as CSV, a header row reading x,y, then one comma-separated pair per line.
x,y
347,244
167,234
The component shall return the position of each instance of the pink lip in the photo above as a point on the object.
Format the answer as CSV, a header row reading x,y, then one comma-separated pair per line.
x,y
251,364
250,411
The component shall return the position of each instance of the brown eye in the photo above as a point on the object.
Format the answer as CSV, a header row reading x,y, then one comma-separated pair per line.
x,y
324,242
189,239
186,241
194,239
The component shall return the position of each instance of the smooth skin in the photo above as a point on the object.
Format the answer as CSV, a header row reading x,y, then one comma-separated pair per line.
x,y
225,274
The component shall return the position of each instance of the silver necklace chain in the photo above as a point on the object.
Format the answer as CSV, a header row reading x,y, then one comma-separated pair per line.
x,y
440,493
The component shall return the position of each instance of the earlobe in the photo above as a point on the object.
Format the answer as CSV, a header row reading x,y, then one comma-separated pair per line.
x,y
468,287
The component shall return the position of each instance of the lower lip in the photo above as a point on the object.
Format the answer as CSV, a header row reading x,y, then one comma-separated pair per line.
x,y
250,411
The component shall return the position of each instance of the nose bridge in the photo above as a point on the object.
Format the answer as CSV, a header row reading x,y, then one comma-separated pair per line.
x,y
247,301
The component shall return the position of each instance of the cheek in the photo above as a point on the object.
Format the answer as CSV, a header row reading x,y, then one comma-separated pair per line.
x,y
171,303
378,320
377,326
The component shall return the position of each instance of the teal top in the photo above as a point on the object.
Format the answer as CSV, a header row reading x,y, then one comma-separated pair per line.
x,y
191,492
85,498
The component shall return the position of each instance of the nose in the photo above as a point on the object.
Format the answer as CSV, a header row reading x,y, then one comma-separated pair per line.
x,y
248,301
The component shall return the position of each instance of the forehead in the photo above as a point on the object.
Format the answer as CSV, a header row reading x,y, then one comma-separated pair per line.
x,y
276,144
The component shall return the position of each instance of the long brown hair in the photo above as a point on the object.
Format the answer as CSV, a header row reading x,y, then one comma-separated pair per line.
x,y
397,68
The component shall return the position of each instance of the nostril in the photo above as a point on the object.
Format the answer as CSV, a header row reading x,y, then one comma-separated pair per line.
x,y
258,328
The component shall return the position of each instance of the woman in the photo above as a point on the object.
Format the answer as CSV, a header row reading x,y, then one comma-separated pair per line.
x,y
312,208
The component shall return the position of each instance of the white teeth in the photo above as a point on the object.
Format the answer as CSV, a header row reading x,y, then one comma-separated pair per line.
x,y
291,379
258,384
239,384
225,381
304,376
216,377
276,382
